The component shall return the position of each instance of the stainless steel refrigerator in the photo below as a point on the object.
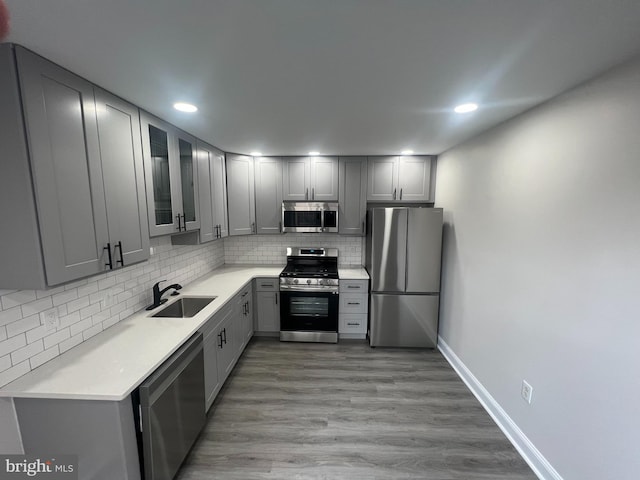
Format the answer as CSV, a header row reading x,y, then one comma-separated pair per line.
x,y
403,259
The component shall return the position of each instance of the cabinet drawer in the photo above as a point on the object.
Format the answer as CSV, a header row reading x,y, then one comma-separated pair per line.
x,y
267,284
353,323
353,303
354,286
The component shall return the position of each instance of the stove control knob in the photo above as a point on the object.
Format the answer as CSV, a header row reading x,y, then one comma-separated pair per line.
x,y
309,282
295,280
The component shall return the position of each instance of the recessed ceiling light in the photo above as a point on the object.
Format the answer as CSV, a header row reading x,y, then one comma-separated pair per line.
x,y
256,154
314,153
406,152
185,107
466,108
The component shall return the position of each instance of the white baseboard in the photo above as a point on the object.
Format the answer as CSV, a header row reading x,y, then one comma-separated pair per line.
x,y
540,466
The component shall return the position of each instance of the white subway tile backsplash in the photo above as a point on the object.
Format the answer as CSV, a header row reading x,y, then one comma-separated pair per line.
x,y
81,304
10,374
56,337
78,304
65,297
70,343
12,344
271,249
23,325
38,306
92,331
18,298
43,357
11,315
27,352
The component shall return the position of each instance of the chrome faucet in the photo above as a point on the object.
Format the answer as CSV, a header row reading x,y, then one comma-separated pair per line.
x,y
157,293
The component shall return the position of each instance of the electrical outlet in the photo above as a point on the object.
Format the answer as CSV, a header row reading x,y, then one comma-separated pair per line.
x,y
51,320
152,251
107,299
526,392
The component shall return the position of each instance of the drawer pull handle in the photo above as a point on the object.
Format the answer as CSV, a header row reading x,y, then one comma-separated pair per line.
x,y
354,286
353,303
269,285
352,323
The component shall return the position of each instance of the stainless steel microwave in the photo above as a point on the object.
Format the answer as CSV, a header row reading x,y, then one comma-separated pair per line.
x,y
309,217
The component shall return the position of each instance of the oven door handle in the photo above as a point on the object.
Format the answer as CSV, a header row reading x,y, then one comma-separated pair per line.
x,y
292,288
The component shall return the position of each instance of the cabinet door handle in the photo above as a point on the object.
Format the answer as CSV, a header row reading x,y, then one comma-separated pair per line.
x,y
184,222
276,298
119,247
394,193
280,226
363,228
313,193
220,338
253,227
179,226
306,194
400,194
224,332
110,262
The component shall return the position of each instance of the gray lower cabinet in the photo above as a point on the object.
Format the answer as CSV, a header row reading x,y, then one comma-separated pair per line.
x,y
353,308
399,179
171,175
310,179
244,318
213,192
268,180
65,188
241,194
226,352
353,196
267,306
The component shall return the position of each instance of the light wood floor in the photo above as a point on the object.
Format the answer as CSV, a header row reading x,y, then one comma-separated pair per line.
x,y
346,411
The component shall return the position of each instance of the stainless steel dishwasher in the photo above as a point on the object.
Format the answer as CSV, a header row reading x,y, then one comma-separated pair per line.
x,y
172,410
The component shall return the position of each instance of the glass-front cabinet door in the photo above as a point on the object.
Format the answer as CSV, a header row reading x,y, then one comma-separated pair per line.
x,y
171,177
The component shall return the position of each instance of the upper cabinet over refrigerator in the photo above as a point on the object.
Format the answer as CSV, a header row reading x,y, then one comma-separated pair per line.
x,y
405,179
171,177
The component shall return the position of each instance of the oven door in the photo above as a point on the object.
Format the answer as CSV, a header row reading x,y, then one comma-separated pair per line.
x,y
308,311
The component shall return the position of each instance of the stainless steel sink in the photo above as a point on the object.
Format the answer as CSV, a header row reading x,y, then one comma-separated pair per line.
x,y
185,307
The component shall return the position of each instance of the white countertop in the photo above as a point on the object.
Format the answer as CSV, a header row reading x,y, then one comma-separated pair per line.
x,y
355,272
110,365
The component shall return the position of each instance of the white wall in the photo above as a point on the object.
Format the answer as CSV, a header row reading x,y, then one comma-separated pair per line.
x,y
541,272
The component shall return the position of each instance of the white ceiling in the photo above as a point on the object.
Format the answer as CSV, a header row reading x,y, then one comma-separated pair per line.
x,y
339,76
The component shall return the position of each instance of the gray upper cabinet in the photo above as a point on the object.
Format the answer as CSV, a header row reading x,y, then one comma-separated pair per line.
x,y
212,191
241,195
399,179
310,179
268,177
73,176
171,177
353,196
123,177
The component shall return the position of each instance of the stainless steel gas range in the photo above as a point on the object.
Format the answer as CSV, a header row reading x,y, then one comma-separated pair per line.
x,y
309,296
